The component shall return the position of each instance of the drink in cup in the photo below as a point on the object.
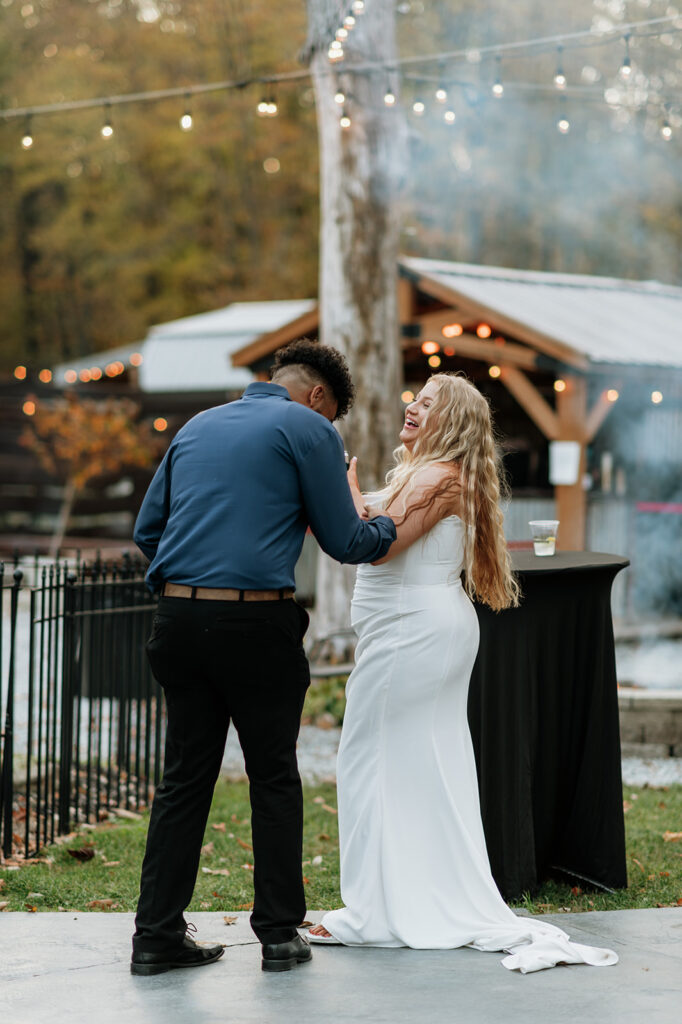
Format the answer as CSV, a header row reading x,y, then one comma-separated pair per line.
x,y
544,535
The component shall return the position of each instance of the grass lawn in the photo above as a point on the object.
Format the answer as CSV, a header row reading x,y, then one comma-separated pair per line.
x,y
225,876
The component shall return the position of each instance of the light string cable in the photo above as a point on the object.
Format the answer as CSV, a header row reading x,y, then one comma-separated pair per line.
x,y
585,38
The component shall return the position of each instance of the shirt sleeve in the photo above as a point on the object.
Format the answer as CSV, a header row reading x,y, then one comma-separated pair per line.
x,y
153,515
338,528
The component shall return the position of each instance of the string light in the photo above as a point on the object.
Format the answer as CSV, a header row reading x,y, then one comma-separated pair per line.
x,y
666,130
45,376
429,348
498,88
339,97
344,120
136,359
263,108
27,137
186,121
20,372
449,117
452,330
407,397
448,350
418,107
160,424
656,397
107,129
358,7
559,76
612,395
626,67
95,373
272,107
389,96
342,34
559,384
29,408
494,371
484,331
563,125
441,94
70,376
335,52
434,361
349,21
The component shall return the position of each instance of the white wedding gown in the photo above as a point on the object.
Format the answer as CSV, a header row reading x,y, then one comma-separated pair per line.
x,y
414,865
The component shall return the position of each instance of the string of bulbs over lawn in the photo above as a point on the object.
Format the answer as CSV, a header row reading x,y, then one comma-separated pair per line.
x,y
445,83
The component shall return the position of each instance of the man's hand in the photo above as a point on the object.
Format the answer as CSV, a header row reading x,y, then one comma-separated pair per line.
x,y
356,493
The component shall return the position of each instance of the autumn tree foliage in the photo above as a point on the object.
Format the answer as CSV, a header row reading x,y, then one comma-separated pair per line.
x,y
78,440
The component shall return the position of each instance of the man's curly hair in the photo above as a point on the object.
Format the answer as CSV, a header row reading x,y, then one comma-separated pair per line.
x,y
324,365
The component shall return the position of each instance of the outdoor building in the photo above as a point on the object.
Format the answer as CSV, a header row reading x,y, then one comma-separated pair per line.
x,y
570,364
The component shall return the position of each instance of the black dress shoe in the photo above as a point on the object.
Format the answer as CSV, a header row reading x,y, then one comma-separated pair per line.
x,y
189,954
282,956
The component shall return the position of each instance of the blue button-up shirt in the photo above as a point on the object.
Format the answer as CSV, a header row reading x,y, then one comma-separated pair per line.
x,y
231,501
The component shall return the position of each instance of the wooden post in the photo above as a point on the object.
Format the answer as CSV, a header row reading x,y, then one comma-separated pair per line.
x,y
570,498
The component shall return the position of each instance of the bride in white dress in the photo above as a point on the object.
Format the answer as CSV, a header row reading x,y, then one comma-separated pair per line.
x,y
414,865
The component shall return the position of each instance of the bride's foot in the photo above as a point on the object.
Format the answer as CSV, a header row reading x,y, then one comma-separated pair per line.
x,y
319,929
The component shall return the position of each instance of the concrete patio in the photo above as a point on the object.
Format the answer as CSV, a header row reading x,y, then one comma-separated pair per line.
x,y
73,967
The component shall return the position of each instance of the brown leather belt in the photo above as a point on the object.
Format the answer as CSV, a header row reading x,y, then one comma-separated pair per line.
x,y
218,594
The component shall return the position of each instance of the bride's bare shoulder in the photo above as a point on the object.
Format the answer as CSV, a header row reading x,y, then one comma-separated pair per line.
x,y
435,474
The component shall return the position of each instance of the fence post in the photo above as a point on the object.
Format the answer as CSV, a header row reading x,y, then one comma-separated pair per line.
x,y
6,773
66,724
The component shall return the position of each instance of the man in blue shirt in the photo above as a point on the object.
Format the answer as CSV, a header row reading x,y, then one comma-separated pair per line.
x,y
223,524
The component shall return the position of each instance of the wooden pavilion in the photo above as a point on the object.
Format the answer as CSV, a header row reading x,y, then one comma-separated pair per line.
x,y
564,347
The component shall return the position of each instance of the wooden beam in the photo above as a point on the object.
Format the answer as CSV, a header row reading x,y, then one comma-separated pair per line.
x,y
472,347
406,297
596,416
543,342
270,342
530,399
571,500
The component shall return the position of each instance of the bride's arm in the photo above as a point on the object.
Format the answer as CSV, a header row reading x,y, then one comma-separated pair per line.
x,y
417,513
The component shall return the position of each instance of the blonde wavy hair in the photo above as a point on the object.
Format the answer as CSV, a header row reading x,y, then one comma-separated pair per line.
x,y
459,430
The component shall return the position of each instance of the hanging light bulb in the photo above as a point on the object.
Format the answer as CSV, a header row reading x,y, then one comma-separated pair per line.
x,y
563,125
449,117
441,94
340,97
498,88
186,121
349,22
107,129
344,120
263,108
666,130
358,7
335,51
389,95
418,107
559,76
626,66
27,137
342,34
272,107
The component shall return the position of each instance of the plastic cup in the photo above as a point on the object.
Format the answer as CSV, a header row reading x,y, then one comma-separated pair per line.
x,y
544,533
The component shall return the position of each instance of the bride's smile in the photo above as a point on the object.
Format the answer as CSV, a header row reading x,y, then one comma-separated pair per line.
x,y
416,413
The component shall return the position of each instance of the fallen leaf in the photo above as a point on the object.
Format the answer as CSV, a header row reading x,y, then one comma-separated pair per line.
x,y
248,867
2,883
219,826
672,837
576,890
207,850
237,821
306,881
30,908
651,877
627,806
679,902
216,871
317,861
639,864
122,812
323,837
83,853
245,906
102,904
230,919
244,846
331,810
662,805
111,863
318,800
664,874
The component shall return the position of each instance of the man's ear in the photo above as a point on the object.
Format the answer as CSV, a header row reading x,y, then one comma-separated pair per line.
x,y
316,395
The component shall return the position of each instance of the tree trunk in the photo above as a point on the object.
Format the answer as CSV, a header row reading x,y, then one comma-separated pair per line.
x,y
361,171
63,518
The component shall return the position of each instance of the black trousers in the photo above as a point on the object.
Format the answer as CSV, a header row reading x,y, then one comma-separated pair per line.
x,y
222,661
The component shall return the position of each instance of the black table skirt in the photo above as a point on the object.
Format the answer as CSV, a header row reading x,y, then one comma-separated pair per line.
x,y
543,712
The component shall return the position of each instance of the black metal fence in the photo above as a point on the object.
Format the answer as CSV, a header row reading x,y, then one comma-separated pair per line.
x,y
83,719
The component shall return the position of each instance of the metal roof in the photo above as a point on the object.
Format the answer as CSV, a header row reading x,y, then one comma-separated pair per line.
x,y
606,319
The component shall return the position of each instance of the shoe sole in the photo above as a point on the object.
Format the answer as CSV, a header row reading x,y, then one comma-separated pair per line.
x,y
148,969
284,965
